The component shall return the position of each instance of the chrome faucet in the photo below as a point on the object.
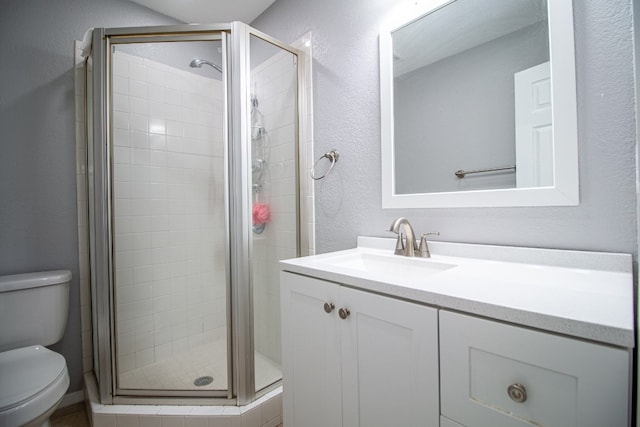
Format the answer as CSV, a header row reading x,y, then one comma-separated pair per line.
x,y
424,246
410,248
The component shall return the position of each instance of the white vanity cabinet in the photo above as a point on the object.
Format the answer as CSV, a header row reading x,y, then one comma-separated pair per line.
x,y
496,374
475,336
354,358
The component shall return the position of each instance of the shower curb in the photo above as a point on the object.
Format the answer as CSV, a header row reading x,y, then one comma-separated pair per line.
x,y
263,412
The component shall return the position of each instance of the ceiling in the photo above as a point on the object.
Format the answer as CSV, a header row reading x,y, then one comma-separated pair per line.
x,y
459,26
209,11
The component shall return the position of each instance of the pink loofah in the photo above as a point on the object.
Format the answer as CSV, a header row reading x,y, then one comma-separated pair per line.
x,y
261,213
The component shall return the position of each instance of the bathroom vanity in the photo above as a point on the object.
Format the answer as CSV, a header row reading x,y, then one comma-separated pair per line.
x,y
476,335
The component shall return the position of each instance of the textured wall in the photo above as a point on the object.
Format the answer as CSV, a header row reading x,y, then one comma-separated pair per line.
x,y
38,219
636,44
346,109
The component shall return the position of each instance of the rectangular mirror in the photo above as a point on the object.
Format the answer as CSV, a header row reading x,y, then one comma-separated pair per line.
x,y
478,105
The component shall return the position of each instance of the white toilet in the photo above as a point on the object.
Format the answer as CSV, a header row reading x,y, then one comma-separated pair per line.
x,y
33,379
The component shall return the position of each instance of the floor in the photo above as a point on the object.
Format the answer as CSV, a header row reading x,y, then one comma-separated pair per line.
x,y
179,372
71,416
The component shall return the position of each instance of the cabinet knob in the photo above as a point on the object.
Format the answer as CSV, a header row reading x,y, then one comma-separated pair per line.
x,y
344,313
328,307
517,393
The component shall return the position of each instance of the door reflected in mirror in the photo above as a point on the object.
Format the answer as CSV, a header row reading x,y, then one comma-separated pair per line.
x,y
467,92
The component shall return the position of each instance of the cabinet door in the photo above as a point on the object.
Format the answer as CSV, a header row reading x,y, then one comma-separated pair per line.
x,y
389,362
494,374
310,353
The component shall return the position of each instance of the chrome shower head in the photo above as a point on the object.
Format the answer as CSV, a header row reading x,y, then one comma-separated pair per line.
x,y
197,63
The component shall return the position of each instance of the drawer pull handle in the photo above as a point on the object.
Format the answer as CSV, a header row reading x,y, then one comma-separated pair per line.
x,y
517,393
344,313
328,307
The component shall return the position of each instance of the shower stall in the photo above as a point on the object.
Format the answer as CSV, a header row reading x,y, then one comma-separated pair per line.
x,y
193,183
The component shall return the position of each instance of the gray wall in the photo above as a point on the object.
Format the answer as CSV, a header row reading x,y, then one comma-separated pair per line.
x,y
636,45
459,113
38,218
346,115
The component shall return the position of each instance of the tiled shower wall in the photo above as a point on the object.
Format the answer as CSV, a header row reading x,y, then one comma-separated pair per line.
x,y
273,83
169,210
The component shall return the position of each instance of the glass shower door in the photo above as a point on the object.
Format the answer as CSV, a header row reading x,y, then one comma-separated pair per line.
x,y
169,234
274,169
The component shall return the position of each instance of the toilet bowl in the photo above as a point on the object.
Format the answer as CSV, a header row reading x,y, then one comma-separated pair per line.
x,y
33,379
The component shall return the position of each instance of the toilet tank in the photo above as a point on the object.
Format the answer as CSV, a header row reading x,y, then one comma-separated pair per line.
x,y
33,308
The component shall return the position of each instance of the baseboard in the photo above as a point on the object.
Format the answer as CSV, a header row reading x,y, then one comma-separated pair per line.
x,y
71,399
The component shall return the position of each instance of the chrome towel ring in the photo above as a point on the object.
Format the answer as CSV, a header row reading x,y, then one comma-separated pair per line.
x,y
333,158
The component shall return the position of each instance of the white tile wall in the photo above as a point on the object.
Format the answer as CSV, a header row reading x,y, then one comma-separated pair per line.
x,y
169,210
306,158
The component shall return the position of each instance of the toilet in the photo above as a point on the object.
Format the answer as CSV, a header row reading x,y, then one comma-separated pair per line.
x,y
33,314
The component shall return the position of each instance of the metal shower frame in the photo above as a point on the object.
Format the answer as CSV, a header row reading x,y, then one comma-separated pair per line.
x,y
235,38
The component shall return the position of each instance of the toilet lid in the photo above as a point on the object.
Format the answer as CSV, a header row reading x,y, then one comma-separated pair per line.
x,y
26,371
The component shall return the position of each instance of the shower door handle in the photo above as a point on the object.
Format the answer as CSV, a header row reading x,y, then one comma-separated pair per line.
x,y
329,307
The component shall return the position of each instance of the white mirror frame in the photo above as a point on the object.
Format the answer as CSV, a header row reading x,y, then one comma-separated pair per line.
x,y
565,191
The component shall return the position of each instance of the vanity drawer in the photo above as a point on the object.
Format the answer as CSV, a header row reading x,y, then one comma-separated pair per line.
x,y
494,374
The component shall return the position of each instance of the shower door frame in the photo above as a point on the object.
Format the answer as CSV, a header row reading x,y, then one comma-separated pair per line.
x,y
238,250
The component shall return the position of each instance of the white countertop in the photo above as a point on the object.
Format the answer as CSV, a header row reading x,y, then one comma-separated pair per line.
x,y
581,294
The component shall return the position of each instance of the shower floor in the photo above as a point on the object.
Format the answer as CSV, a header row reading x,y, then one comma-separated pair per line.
x,y
179,372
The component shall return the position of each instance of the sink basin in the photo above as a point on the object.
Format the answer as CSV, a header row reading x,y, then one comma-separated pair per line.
x,y
382,264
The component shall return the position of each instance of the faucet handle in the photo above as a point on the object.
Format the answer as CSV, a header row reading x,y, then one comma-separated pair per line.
x,y
424,247
399,245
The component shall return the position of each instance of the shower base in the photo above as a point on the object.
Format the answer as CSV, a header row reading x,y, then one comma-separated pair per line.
x,y
181,371
264,412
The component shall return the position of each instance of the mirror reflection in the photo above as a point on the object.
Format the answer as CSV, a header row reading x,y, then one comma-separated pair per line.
x,y
472,95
